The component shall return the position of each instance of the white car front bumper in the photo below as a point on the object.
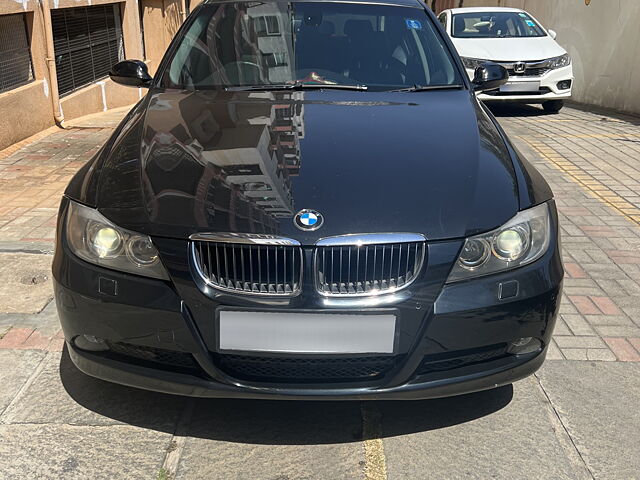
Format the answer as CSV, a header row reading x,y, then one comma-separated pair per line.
x,y
543,88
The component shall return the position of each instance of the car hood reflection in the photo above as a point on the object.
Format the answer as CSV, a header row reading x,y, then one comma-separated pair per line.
x,y
430,163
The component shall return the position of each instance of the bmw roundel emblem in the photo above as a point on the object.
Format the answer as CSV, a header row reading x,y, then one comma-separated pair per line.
x,y
308,220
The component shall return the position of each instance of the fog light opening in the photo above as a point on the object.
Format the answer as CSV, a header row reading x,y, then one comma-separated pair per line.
x,y
524,345
564,85
91,343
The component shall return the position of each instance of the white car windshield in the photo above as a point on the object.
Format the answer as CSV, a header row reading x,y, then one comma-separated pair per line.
x,y
495,25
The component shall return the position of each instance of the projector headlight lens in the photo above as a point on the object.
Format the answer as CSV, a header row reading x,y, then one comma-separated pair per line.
x,y
510,244
474,253
141,251
105,242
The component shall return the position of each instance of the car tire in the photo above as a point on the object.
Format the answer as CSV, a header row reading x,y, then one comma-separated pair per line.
x,y
553,106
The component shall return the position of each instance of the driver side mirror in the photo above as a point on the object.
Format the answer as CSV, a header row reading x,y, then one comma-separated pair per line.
x,y
552,33
132,73
489,76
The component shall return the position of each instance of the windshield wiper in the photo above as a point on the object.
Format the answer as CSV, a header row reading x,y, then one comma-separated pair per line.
x,y
295,86
426,88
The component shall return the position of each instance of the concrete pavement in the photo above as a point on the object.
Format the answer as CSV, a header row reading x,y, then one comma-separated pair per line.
x,y
577,418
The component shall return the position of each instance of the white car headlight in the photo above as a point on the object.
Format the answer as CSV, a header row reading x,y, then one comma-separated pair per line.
x,y
559,62
520,241
94,238
472,63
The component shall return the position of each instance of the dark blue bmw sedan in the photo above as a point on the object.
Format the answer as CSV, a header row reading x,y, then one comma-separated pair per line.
x,y
309,202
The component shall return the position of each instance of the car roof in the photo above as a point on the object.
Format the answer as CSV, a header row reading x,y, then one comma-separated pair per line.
x,y
402,3
484,9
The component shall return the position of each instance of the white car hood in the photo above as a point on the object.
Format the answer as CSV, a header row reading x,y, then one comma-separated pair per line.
x,y
508,49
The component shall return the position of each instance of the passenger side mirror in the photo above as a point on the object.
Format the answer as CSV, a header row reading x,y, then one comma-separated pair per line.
x,y
552,33
489,76
132,73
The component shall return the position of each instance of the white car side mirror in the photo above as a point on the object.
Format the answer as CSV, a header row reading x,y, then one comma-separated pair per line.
x,y
552,33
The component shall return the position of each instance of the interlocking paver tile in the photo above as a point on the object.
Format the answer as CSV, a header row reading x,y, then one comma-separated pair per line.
x,y
574,270
584,304
606,305
577,324
623,349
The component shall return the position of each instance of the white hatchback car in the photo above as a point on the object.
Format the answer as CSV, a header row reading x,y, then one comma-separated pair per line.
x,y
539,69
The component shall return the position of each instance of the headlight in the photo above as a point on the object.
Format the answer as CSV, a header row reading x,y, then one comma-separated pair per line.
x,y
97,240
559,62
472,63
520,241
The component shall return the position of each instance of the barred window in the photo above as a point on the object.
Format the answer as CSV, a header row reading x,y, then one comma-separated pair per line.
x,y
87,42
267,25
16,68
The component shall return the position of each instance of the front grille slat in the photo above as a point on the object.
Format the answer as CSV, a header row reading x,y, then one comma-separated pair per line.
x,y
217,263
251,266
246,268
367,269
244,283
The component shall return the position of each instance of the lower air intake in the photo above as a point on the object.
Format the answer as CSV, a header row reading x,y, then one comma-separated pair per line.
x,y
306,370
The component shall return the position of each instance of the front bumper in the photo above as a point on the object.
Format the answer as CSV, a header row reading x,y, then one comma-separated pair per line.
x,y
452,338
480,377
548,89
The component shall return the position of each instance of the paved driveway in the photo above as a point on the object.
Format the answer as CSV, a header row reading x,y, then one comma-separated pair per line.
x,y
577,418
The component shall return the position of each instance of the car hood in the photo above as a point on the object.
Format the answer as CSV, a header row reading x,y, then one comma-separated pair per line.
x,y
509,49
429,162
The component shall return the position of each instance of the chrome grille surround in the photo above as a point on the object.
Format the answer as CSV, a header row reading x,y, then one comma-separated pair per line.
x,y
535,68
367,264
248,264
529,72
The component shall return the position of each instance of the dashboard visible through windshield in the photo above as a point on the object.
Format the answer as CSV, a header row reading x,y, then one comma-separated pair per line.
x,y
495,25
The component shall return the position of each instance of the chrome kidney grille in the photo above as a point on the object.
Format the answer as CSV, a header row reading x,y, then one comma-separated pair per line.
x,y
348,265
366,268
249,268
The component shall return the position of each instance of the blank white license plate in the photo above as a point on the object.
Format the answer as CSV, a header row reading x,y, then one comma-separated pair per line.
x,y
331,333
520,87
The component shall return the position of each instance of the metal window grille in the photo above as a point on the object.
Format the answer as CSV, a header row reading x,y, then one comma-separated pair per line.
x,y
16,68
267,25
87,42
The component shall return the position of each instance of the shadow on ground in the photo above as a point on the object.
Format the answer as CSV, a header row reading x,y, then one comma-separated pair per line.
x,y
516,110
274,422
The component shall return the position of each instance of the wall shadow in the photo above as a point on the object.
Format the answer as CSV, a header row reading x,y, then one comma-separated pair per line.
x,y
273,422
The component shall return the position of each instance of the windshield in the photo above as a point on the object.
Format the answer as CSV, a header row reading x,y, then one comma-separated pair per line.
x,y
495,25
306,43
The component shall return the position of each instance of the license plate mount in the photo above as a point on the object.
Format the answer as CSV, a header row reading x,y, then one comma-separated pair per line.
x,y
286,332
514,87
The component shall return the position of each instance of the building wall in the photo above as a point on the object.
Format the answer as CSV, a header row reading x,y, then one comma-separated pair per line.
x,y
602,37
161,20
29,109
